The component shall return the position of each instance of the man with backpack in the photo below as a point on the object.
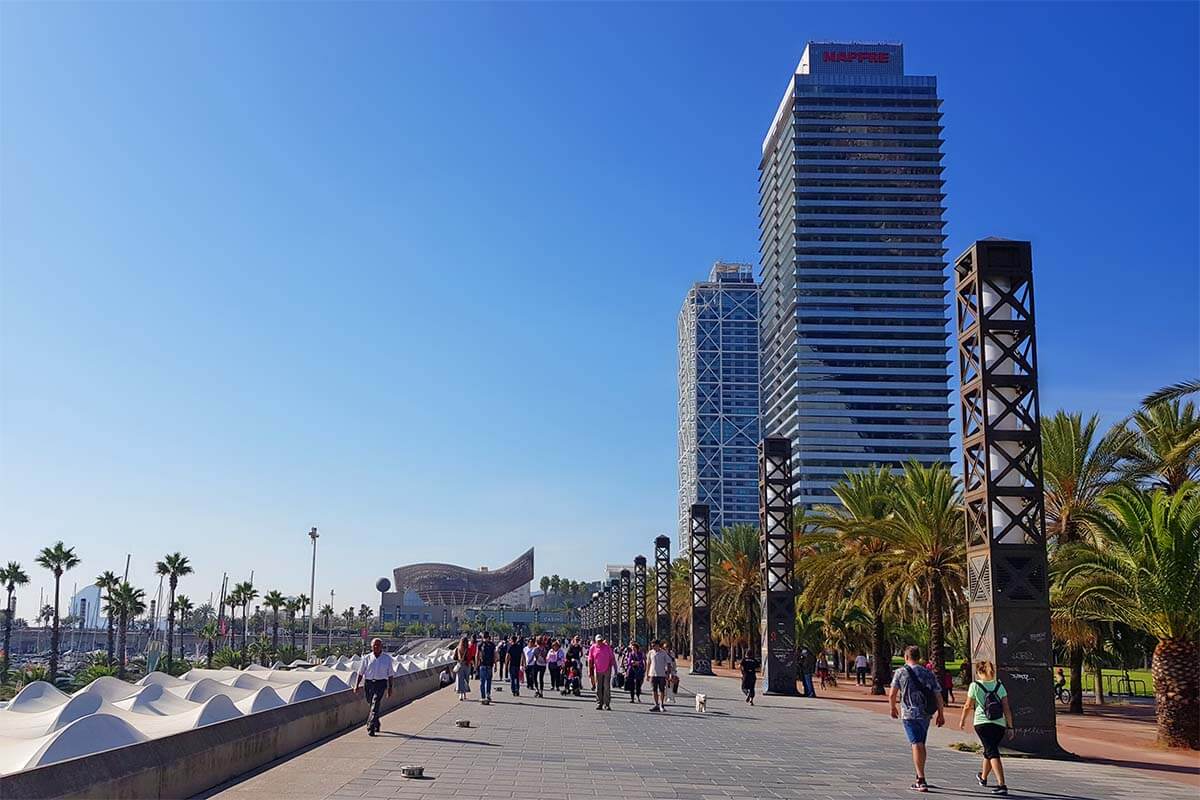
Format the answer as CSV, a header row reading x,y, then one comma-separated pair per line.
x,y
485,661
915,697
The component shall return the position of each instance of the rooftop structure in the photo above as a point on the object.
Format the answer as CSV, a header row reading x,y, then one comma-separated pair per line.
x,y
450,585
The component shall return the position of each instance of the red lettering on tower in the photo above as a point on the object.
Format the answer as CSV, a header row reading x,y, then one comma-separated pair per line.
x,y
863,57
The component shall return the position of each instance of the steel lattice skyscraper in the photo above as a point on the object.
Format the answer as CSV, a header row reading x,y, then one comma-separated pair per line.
x,y
853,303
718,400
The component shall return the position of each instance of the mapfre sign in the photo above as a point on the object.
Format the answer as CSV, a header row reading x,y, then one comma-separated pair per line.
x,y
856,57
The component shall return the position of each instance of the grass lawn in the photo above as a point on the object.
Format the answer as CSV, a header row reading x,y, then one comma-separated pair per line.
x,y
1145,689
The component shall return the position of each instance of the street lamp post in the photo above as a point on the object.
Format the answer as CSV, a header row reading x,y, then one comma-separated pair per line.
x,y
312,589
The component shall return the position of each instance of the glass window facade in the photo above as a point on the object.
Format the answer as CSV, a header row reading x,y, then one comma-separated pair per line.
x,y
719,399
854,316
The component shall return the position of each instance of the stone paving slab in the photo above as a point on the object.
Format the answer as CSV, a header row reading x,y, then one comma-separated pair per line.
x,y
563,748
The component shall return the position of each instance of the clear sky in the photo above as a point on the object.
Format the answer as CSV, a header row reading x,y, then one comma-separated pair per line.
x,y
410,273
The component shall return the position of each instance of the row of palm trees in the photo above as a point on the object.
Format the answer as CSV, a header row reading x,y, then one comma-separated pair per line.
x,y
1123,534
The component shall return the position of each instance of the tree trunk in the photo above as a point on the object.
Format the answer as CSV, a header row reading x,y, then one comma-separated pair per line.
x,y
275,630
110,636
881,672
170,623
123,633
53,670
937,631
7,636
210,653
1175,669
1075,657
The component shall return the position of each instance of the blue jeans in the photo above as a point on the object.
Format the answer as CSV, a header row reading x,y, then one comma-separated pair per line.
x,y
485,682
808,686
514,680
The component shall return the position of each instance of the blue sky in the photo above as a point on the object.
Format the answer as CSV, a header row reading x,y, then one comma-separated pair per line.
x,y
410,273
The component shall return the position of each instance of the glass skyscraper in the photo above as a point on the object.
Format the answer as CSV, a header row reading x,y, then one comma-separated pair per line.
x,y
718,399
854,307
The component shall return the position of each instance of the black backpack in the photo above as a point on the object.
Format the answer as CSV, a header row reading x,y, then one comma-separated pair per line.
x,y
993,708
928,702
487,654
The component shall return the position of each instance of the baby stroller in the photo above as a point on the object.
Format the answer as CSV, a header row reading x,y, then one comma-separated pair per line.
x,y
572,680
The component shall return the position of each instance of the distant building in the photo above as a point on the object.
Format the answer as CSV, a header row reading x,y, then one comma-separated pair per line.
x,y
85,606
854,310
440,593
719,399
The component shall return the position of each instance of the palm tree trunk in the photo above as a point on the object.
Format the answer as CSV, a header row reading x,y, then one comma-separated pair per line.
x,y
54,636
110,636
7,636
275,630
937,631
1175,669
1075,656
170,623
210,653
880,656
123,632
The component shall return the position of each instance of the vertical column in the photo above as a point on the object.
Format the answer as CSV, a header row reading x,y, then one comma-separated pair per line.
x,y
623,607
662,588
701,619
611,622
639,601
779,592
594,616
1007,585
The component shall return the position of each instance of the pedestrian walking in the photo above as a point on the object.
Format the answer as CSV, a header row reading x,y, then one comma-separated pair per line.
x,y
673,676
462,667
947,687
529,661
823,669
860,668
378,671
516,657
485,662
808,664
750,669
603,659
502,658
554,661
635,671
658,667
988,698
915,689
540,664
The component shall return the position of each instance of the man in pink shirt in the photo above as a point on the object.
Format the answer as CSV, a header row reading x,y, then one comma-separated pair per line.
x,y
602,659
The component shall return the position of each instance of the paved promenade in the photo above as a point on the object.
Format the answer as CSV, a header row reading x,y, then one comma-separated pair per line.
x,y
563,748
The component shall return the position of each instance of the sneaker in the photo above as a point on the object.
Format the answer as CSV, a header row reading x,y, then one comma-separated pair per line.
x,y
654,708
980,779
1001,789
600,708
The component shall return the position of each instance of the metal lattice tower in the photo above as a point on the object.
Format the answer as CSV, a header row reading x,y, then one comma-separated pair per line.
x,y
1008,588
701,614
779,593
662,587
625,587
639,600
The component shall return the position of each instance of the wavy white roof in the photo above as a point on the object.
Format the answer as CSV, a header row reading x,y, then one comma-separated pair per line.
x,y
42,725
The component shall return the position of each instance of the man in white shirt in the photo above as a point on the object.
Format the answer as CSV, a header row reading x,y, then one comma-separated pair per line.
x,y
658,667
377,672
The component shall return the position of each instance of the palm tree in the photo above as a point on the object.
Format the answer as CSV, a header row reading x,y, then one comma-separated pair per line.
x,y
841,560
545,583
209,634
129,603
681,602
292,604
327,612
925,550
737,580
246,593
183,606
1077,468
274,600
57,559
11,576
555,584
107,581
234,599
1144,570
304,604
1173,392
1166,446
173,567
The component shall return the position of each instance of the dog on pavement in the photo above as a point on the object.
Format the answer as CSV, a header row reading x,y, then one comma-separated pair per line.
x,y
701,703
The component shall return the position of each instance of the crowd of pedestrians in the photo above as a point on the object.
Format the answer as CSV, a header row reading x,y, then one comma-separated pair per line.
x,y
918,694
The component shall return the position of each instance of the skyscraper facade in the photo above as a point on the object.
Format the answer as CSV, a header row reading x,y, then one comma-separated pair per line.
x,y
718,399
854,308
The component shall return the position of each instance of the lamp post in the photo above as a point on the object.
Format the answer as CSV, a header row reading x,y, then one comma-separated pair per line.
x,y
312,588
701,613
330,631
662,588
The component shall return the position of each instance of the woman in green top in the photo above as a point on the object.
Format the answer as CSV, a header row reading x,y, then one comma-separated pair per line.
x,y
993,717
